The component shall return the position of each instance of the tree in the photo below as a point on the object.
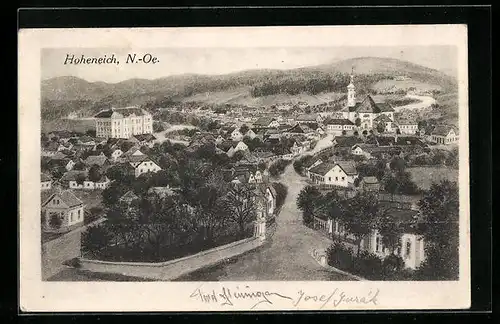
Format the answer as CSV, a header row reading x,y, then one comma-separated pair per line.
x,y
381,127
398,132
111,194
365,133
262,166
308,202
158,127
95,239
357,122
389,228
281,193
244,129
240,204
360,216
57,172
397,164
390,184
95,173
344,133
80,178
79,166
332,208
439,209
356,133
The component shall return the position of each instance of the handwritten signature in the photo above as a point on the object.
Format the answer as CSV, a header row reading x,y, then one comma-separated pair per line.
x,y
227,297
337,297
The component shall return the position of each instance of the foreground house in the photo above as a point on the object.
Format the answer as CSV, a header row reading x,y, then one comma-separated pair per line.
x,y
143,164
341,174
62,210
338,126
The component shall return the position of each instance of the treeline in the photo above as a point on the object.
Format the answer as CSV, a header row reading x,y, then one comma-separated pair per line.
x,y
313,83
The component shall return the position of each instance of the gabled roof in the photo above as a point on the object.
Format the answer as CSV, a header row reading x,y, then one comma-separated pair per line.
x,y
264,121
346,141
145,137
368,105
73,175
382,118
307,117
300,128
44,177
322,168
370,180
349,167
385,140
96,159
67,197
443,130
129,196
335,121
125,112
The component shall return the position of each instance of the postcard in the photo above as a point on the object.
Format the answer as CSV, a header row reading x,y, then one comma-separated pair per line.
x,y
244,168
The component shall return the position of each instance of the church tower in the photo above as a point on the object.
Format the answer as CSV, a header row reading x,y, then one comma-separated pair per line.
x,y
351,92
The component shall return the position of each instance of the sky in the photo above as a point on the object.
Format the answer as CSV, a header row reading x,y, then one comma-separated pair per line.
x,y
175,61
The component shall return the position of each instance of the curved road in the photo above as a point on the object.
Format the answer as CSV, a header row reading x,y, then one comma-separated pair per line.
x,y
286,256
424,102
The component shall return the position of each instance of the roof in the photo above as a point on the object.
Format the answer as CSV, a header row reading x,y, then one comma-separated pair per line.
x,y
138,158
67,197
73,175
96,159
443,130
406,121
322,168
264,121
406,217
125,112
162,191
409,140
368,105
370,180
44,177
129,196
385,140
335,121
145,137
300,128
382,118
347,141
349,167
307,117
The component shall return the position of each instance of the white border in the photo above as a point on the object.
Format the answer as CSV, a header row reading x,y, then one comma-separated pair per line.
x,y
36,295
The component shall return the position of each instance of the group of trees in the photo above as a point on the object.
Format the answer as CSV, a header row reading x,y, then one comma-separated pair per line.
x,y
436,157
359,215
278,167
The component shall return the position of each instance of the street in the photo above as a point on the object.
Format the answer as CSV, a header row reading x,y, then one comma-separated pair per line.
x,y
287,254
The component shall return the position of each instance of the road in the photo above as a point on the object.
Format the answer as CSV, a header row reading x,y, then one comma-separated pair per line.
x,y
286,256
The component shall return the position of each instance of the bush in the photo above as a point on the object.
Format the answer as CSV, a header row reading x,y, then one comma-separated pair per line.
x,y
340,256
278,167
368,265
281,193
392,265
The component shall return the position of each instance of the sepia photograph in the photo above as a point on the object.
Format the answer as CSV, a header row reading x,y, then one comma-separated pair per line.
x,y
199,164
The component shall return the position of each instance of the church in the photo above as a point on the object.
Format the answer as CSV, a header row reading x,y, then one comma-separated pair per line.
x,y
367,113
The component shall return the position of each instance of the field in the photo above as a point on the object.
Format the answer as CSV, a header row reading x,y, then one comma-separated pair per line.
x,y
425,176
73,125
391,85
242,96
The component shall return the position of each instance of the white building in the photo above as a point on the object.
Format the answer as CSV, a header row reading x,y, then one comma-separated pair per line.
x,y
143,164
61,210
123,122
444,135
341,174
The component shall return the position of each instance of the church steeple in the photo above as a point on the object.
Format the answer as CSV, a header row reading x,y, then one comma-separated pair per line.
x,y
351,91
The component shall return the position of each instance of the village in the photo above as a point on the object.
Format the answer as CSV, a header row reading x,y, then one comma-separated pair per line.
x,y
139,161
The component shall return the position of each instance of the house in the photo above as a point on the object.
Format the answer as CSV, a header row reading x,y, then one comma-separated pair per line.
x,y
50,149
369,184
143,164
300,129
339,126
80,180
346,141
219,140
99,160
64,147
342,174
45,182
128,198
144,140
382,119
250,134
445,135
241,146
236,135
102,183
309,118
266,122
87,141
412,245
62,210
230,152
284,153
407,126
162,191
265,156
66,163
116,154
265,201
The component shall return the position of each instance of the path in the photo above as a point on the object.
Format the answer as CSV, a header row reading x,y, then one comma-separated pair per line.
x,y
287,254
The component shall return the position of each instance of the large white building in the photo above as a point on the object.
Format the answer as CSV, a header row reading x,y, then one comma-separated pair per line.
x,y
123,122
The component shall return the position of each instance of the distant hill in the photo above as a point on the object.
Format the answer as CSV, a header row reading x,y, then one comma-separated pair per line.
x,y
63,95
